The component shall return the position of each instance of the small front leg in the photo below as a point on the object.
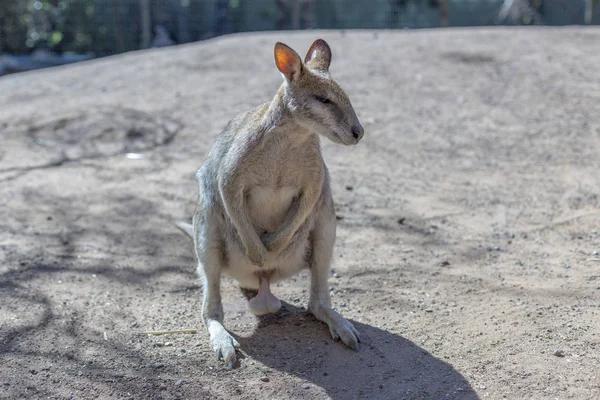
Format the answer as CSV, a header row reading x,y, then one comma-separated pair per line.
x,y
323,239
296,216
233,196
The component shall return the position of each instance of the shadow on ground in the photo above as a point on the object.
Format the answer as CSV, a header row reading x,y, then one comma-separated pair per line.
x,y
387,366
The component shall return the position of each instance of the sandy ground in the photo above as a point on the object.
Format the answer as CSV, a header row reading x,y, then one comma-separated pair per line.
x,y
467,252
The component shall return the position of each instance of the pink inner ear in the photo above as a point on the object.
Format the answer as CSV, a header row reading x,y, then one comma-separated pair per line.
x,y
287,63
287,70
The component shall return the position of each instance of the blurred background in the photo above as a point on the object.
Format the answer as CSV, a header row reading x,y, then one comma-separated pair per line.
x,y
42,33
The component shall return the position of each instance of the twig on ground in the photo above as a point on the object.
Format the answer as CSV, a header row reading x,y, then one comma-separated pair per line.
x,y
169,332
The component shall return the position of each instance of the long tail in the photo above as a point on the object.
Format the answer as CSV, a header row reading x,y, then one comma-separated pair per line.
x,y
186,228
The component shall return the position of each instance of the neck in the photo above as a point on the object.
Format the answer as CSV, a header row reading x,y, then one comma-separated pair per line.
x,y
279,117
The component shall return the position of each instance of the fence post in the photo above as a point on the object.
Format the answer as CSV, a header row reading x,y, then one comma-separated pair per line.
x,y
146,23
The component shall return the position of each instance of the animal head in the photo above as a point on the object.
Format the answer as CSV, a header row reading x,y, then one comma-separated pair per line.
x,y
315,100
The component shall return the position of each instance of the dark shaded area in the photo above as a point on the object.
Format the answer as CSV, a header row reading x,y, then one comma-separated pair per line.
x,y
403,370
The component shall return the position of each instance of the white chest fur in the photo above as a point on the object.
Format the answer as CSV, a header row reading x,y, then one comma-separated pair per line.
x,y
269,205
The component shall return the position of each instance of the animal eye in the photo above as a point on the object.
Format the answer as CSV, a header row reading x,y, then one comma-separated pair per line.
x,y
322,99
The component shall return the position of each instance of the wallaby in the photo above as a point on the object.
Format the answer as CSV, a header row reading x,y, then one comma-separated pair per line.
x,y
265,209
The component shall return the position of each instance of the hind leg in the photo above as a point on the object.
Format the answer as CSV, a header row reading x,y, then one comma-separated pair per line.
x,y
209,269
322,241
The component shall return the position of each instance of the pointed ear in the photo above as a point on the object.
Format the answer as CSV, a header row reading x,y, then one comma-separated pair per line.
x,y
288,61
319,55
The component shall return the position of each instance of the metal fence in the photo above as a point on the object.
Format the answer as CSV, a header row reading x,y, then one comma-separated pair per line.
x,y
103,27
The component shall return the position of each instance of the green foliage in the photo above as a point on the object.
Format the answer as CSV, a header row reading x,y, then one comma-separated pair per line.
x,y
99,26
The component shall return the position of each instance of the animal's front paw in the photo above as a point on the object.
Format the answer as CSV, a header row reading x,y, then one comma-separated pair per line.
x,y
344,330
257,254
224,346
273,242
268,240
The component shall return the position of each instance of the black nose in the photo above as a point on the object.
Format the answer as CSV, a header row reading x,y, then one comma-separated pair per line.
x,y
358,132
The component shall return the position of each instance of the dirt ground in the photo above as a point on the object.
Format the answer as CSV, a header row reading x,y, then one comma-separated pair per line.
x,y
468,239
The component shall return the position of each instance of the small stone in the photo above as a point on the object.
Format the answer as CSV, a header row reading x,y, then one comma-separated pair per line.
x,y
336,275
179,383
167,344
429,310
264,379
444,263
163,387
339,217
349,188
401,220
559,353
342,304
595,253
157,365
305,386
133,324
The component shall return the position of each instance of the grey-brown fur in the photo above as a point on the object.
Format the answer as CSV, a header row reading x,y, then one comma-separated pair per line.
x,y
265,209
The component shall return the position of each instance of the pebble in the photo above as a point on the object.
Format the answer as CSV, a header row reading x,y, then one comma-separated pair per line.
x,y
336,275
429,310
157,365
342,304
169,344
179,383
349,188
559,353
264,379
595,253
305,386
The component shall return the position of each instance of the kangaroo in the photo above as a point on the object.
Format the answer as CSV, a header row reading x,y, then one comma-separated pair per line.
x,y
265,209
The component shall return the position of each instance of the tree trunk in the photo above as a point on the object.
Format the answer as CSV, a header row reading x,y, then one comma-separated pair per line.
x,y
146,24
295,14
589,11
444,13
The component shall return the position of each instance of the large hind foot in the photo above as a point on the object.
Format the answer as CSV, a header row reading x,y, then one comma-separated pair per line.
x,y
223,344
